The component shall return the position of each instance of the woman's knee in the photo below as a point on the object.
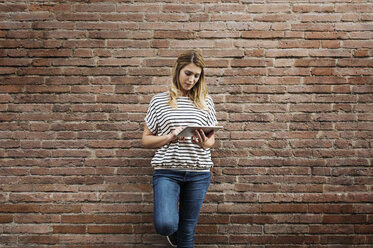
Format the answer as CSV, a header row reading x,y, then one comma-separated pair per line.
x,y
165,227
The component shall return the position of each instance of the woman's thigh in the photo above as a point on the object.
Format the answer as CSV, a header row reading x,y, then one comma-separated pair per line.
x,y
166,196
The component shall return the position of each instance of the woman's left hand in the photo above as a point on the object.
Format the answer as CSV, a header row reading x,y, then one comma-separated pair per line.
x,y
201,139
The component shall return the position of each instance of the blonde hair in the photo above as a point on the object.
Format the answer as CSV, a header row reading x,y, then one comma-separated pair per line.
x,y
198,93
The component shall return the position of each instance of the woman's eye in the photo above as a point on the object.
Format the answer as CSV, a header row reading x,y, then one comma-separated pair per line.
x,y
188,73
196,76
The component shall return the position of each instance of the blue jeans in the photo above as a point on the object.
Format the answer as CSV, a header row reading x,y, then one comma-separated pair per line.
x,y
178,197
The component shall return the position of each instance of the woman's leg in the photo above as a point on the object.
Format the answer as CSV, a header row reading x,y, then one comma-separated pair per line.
x,y
166,196
192,194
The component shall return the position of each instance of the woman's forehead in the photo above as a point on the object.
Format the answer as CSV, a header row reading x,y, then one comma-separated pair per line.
x,y
193,68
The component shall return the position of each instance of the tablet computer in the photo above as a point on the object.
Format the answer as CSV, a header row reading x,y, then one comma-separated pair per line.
x,y
189,130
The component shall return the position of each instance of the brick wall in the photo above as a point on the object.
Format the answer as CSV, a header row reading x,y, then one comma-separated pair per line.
x,y
292,82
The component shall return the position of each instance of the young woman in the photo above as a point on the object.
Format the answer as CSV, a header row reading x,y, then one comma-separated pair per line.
x,y
181,165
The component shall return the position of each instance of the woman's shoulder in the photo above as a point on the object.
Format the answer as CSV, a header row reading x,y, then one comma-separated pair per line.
x,y
160,96
209,98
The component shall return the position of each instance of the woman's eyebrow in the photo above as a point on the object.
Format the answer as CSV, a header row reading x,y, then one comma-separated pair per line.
x,y
192,72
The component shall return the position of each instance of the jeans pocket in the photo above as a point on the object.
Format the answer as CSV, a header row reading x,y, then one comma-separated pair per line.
x,y
157,175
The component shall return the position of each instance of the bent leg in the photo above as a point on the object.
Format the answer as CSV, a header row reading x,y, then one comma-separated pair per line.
x,y
166,197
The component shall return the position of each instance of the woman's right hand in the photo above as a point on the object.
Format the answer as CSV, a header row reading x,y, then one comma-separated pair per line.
x,y
175,132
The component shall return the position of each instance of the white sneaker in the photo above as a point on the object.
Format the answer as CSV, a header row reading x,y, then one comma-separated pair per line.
x,y
172,240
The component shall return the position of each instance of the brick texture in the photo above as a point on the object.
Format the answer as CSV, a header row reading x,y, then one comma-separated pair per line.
x,y
292,82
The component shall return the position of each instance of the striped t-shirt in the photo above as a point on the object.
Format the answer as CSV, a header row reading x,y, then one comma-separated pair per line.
x,y
161,119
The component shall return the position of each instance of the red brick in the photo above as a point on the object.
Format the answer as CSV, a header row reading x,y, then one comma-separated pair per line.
x,y
77,17
368,229
169,17
217,17
284,208
321,229
64,229
6,218
355,62
96,26
326,35
313,8
361,53
333,219
50,7
286,53
221,219
262,34
30,229
118,62
38,239
122,17
253,219
108,7
330,44
173,35
139,7
299,44
110,229
13,7
286,229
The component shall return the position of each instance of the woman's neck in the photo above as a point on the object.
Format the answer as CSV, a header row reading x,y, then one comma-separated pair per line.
x,y
183,93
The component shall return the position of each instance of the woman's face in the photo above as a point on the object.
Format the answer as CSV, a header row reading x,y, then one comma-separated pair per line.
x,y
188,77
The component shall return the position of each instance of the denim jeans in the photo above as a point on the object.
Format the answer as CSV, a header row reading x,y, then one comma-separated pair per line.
x,y
178,197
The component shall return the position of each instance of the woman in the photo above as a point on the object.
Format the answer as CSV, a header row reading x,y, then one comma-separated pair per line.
x,y
181,165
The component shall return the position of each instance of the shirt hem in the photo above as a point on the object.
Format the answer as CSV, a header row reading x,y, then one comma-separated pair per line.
x,y
182,169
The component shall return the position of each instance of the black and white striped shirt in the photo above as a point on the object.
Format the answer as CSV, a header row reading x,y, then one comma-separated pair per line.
x,y
161,119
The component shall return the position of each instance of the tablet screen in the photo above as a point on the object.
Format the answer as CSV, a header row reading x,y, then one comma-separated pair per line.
x,y
189,131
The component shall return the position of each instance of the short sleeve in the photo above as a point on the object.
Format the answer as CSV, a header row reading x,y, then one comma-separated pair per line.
x,y
151,118
212,121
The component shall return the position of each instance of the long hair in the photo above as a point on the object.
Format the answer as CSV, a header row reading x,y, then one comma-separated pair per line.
x,y
199,91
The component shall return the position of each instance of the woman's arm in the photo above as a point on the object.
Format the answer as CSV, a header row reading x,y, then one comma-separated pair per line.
x,y
150,140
